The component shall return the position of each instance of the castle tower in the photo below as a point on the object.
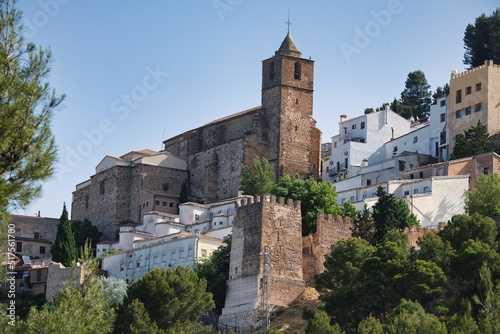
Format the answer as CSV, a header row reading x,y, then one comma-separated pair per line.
x,y
260,222
291,136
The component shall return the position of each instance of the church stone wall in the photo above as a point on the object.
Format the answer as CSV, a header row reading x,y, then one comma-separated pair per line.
x,y
126,193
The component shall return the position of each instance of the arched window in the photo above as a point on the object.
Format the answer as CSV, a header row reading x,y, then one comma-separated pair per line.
x,y
271,70
297,72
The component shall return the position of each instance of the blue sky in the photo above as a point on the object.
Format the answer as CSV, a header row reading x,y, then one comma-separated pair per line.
x,y
136,72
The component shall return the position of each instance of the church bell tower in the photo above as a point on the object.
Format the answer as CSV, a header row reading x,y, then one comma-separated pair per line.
x,y
293,142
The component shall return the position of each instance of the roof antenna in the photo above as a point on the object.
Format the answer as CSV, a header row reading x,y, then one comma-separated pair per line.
x,y
288,21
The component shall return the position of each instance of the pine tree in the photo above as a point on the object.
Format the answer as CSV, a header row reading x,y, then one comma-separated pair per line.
x,y
482,40
473,141
390,213
27,103
64,248
417,95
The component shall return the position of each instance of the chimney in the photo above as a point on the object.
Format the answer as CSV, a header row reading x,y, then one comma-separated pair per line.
x,y
343,117
38,214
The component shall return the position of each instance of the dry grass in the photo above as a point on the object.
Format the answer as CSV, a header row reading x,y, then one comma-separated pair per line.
x,y
290,320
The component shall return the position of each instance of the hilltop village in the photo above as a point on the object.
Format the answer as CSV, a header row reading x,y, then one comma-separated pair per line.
x,y
409,159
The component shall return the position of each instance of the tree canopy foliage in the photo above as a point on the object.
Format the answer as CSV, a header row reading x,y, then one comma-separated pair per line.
x,y
77,308
259,179
64,248
390,213
475,140
173,299
484,199
83,231
482,40
315,196
215,270
449,285
27,104
416,97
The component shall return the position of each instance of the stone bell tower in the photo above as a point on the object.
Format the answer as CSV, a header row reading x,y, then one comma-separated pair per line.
x,y
293,140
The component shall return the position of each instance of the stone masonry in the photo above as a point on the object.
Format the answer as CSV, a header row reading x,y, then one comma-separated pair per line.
x,y
293,260
126,193
282,130
264,222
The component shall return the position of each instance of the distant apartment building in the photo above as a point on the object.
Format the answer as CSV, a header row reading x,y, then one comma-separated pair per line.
x,y
126,187
474,96
34,235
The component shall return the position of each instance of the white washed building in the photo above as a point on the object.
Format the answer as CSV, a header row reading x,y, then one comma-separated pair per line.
x,y
432,200
171,251
166,240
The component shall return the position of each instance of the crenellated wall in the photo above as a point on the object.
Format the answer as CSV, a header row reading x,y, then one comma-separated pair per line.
x,y
329,229
259,222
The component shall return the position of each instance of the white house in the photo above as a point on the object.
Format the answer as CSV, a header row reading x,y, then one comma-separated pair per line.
x,y
432,200
166,240
171,251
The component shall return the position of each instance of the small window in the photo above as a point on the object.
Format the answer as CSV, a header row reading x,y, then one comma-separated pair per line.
x,y
147,204
486,170
335,144
19,247
443,117
442,137
369,182
164,203
478,87
458,113
468,90
395,149
138,264
458,96
415,191
157,202
362,126
354,126
36,235
196,217
401,165
170,205
421,175
39,275
412,176
468,110
443,103
297,71
101,188
42,249
426,189
271,70
351,199
477,107
415,139
407,192
86,201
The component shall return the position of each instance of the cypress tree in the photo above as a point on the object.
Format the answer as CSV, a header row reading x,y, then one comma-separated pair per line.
x,y
64,248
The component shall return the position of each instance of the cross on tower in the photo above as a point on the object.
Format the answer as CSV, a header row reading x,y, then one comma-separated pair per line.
x,y
288,21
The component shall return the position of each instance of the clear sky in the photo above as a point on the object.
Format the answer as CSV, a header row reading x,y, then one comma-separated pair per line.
x,y
136,72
